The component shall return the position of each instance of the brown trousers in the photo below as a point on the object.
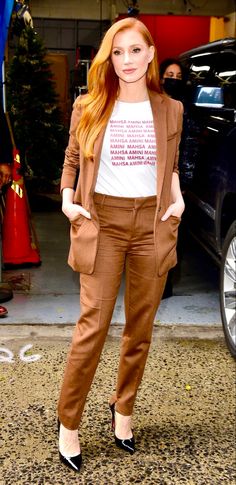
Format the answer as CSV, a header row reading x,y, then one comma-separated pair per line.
x,y
126,242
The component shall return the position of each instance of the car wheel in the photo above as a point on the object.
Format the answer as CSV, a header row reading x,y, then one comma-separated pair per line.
x,y
228,288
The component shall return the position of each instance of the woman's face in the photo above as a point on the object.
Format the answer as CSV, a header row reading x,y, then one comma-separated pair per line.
x,y
130,55
173,71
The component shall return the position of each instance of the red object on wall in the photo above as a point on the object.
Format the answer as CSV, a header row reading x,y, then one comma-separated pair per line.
x,y
174,34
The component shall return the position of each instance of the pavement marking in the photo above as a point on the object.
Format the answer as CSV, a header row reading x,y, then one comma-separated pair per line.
x,y
9,357
24,355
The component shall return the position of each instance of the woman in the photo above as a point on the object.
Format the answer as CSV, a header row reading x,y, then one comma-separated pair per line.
x,y
172,76
124,213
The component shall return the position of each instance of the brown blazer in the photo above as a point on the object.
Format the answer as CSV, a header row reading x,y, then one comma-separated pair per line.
x,y
167,117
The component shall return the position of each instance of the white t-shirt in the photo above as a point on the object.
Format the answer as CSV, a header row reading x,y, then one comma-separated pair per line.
x,y
128,158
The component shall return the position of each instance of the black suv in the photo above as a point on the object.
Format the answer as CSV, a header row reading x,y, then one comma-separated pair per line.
x,y
208,164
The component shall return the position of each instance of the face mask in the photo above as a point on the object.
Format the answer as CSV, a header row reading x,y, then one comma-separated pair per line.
x,y
173,87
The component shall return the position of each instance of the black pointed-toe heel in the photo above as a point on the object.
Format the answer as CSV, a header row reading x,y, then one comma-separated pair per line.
x,y
126,445
73,462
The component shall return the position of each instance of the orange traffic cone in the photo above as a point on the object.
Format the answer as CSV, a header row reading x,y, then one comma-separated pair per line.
x,y
18,248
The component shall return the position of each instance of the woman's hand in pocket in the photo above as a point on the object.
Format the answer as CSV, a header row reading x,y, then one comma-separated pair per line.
x,y
176,209
72,211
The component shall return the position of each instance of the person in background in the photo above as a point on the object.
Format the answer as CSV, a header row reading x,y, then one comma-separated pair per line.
x,y
172,78
124,214
172,83
5,172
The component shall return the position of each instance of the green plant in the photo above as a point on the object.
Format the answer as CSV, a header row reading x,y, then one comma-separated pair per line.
x,y
32,103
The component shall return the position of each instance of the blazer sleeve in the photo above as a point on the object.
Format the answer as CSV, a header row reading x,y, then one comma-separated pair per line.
x,y
180,110
72,152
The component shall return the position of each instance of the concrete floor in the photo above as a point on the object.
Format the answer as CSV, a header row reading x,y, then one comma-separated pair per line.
x,y
184,419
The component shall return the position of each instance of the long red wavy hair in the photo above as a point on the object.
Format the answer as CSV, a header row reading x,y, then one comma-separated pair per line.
x,y
103,85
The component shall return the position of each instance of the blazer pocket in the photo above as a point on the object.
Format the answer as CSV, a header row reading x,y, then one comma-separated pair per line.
x,y
84,243
166,241
78,220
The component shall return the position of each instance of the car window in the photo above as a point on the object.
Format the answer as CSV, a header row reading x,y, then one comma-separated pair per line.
x,y
213,69
208,97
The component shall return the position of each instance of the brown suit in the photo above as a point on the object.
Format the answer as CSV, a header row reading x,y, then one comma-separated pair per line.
x,y
119,236
167,116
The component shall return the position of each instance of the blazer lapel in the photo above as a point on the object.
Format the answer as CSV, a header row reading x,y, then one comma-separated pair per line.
x,y
90,171
160,126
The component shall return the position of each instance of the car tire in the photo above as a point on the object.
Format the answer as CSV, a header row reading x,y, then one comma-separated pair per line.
x,y
228,288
